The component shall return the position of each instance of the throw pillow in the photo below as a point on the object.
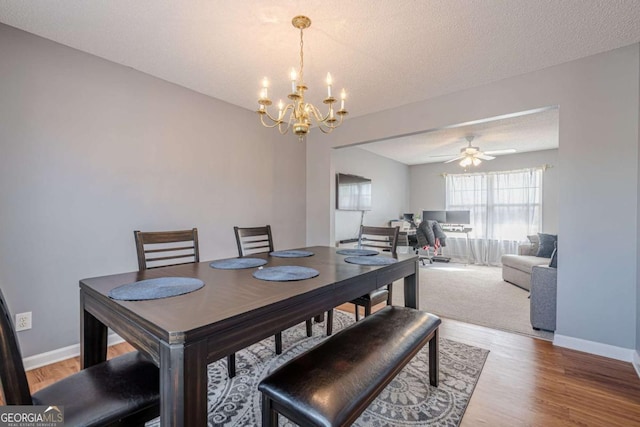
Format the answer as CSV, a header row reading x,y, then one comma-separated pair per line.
x,y
547,244
554,257
535,244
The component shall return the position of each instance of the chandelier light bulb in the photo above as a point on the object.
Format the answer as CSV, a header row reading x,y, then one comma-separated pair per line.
x,y
294,77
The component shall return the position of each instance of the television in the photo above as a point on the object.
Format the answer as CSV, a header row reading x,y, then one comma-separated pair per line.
x,y
353,192
459,217
440,216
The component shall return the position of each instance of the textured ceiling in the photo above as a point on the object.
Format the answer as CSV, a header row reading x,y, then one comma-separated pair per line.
x,y
386,53
527,131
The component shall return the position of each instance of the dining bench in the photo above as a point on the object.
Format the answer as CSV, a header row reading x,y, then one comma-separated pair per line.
x,y
335,381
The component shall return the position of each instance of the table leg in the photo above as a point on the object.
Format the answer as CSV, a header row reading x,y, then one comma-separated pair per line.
x,y
434,359
411,288
93,338
468,248
182,402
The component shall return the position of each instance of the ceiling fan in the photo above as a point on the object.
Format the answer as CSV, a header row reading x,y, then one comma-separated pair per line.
x,y
471,155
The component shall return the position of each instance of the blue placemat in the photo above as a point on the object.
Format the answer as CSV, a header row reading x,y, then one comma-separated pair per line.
x,y
370,260
357,252
291,254
238,263
285,273
162,287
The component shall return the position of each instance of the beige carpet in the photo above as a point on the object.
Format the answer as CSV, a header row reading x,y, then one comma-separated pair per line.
x,y
473,294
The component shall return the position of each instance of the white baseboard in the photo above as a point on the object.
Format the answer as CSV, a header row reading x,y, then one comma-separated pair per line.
x,y
636,362
592,347
53,356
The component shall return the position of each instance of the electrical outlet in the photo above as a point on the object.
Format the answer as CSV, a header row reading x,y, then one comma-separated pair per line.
x,y
23,321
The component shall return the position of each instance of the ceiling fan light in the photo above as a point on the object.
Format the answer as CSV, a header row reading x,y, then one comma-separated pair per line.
x,y
465,162
476,161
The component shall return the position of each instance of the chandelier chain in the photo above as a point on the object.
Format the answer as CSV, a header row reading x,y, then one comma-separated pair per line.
x,y
301,57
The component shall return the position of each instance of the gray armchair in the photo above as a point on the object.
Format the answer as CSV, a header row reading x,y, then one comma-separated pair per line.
x,y
543,297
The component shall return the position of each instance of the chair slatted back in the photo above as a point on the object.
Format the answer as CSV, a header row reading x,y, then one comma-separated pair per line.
x,y
379,238
253,240
13,378
162,248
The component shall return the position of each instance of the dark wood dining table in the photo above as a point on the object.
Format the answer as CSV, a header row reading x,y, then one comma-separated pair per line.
x,y
183,334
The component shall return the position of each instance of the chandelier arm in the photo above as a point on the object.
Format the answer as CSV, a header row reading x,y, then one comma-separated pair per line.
x,y
317,114
329,127
267,125
323,122
284,129
273,119
327,130
280,114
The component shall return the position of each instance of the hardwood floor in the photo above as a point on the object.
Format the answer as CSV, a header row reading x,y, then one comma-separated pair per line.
x,y
525,382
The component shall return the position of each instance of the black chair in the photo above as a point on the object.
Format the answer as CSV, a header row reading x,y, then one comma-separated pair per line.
x,y
253,240
123,391
382,239
173,245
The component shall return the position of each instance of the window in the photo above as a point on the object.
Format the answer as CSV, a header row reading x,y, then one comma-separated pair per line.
x,y
505,208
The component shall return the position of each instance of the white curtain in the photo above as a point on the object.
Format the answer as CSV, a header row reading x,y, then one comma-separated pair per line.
x,y
505,208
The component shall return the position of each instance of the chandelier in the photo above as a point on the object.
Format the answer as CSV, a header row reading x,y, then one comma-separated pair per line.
x,y
300,114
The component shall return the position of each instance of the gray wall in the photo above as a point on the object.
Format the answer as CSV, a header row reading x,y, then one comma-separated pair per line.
x,y
638,248
428,184
390,189
598,101
91,151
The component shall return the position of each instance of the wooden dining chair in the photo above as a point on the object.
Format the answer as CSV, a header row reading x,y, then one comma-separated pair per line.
x,y
164,248
121,391
381,239
171,246
253,240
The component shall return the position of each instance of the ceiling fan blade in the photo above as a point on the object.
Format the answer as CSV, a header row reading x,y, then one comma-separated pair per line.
x,y
483,156
444,155
505,151
455,158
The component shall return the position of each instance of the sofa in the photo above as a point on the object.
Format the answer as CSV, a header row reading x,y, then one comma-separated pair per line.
x,y
538,275
516,269
543,296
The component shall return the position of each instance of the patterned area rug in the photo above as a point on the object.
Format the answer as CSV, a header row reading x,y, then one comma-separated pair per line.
x,y
409,400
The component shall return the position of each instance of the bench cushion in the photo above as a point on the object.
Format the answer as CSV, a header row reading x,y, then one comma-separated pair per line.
x,y
335,381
